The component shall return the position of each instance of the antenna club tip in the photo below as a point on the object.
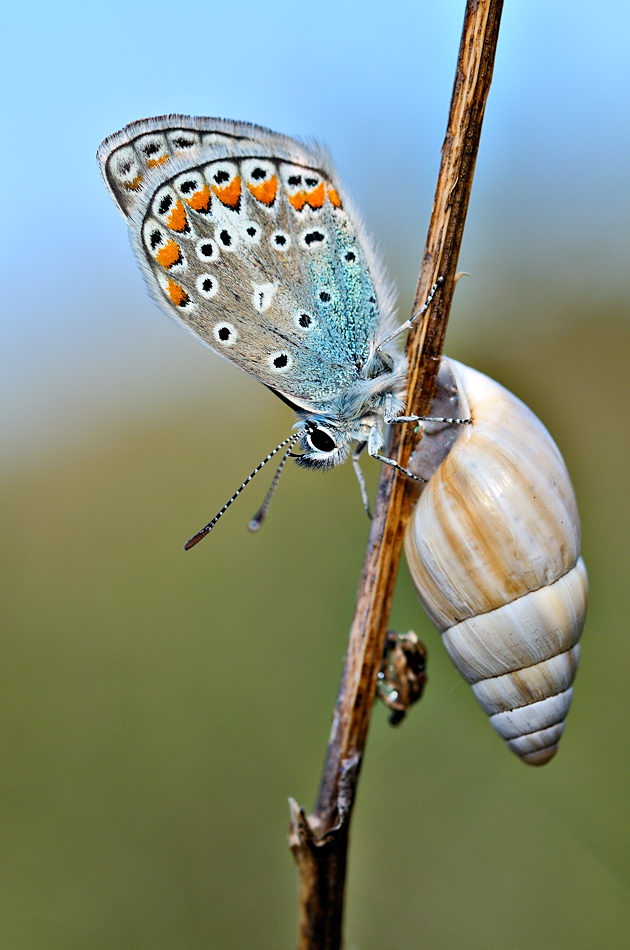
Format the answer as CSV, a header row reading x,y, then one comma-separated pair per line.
x,y
257,520
196,538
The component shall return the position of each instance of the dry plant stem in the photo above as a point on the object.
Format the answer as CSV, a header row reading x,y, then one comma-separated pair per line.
x,y
319,842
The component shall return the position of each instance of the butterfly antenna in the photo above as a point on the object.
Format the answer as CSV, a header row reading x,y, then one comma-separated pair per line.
x,y
416,316
261,514
290,441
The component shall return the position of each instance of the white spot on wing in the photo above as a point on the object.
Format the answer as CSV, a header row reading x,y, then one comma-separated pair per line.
x,y
207,285
280,241
263,295
280,362
225,333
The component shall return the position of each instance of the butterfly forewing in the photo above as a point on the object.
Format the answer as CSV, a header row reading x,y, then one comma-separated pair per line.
x,y
245,239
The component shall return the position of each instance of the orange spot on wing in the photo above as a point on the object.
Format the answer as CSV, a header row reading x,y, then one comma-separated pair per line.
x,y
134,183
333,195
229,195
317,196
314,199
178,295
200,201
169,254
266,191
298,200
152,162
176,220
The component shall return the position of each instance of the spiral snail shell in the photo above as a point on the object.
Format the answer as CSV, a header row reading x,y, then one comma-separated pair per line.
x,y
493,546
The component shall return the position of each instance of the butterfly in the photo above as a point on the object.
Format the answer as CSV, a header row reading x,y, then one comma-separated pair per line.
x,y
246,238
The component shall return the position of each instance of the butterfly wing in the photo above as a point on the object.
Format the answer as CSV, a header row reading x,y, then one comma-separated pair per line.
x,y
244,238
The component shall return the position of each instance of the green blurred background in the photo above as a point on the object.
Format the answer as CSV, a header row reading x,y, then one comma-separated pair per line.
x,y
160,707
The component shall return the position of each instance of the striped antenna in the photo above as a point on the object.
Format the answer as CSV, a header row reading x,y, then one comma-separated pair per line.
x,y
290,441
260,515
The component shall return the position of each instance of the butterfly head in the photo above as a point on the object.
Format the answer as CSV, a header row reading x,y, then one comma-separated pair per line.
x,y
323,445
329,441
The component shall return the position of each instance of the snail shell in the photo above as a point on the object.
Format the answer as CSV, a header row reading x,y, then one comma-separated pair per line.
x,y
493,546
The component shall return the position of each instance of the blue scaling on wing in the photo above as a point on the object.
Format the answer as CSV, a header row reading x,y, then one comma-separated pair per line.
x,y
344,295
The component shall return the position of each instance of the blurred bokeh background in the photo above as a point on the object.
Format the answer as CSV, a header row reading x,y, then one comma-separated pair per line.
x,y
159,707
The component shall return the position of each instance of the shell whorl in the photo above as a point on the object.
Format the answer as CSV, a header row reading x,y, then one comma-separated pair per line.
x,y
493,546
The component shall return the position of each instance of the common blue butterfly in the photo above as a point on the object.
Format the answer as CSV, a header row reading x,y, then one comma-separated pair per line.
x,y
245,237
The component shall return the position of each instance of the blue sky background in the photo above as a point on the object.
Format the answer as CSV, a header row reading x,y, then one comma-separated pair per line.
x,y
548,218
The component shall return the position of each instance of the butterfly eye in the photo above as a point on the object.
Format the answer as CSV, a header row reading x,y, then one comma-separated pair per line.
x,y
320,440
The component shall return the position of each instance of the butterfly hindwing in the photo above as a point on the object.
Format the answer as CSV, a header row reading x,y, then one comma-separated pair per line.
x,y
245,239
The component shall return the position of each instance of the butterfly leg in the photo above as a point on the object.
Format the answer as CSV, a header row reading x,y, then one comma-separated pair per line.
x,y
375,442
394,464
409,323
443,419
360,477
391,415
